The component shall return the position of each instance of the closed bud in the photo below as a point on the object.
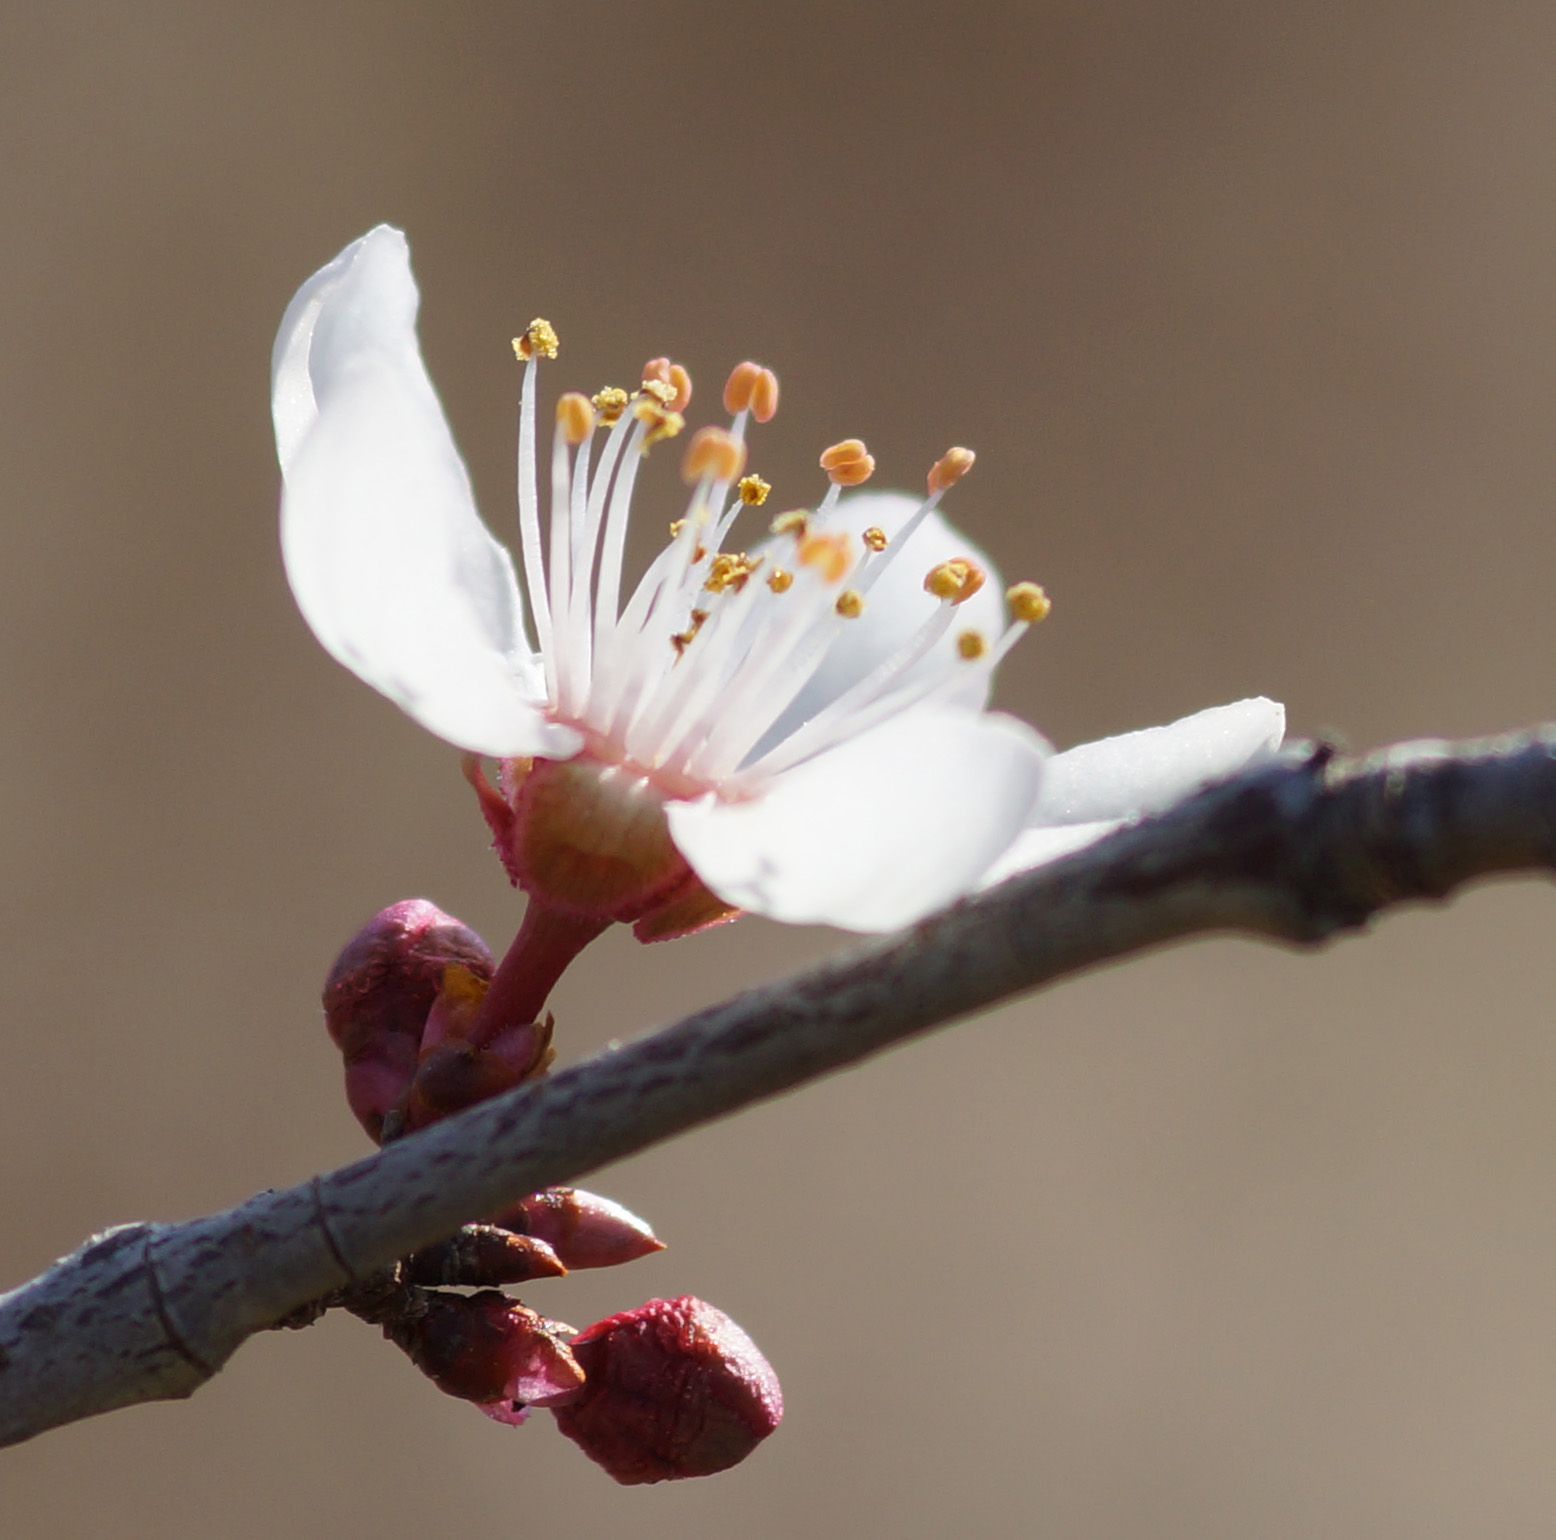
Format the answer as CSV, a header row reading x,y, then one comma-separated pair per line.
x,y
584,1229
380,993
491,1350
483,1256
673,1389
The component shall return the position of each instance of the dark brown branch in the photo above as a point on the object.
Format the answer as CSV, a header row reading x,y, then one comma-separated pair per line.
x,y
1292,851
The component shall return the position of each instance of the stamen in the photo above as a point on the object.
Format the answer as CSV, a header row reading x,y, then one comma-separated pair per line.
x,y
753,491
949,469
575,417
957,580
849,463
1028,603
791,523
875,538
539,341
780,580
730,570
850,604
611,403
828,555
971,645
660,422
672,376
714,454
737,390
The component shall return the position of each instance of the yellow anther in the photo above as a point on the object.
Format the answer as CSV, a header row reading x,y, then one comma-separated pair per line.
x,y
956,580
662,424
730,569
764,396
1028,603
611,403
780,580
674,378
737,389
539,341
875,538
574,416
676,526
850,604
848,463
828,555
971,645
712,452
661,390
791,523
753,491
949,469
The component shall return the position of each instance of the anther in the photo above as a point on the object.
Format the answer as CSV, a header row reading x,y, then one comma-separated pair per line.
x,y
791,523
971,645
850,604
764,396
730,569
848,463
780,580
1028,603
575,417
737,390
539,341
673,376
875,538
610,403
827,554
712,452
956,580
949,469
661,390
753,491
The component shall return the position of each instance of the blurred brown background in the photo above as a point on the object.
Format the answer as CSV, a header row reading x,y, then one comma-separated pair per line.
x,y
1250,312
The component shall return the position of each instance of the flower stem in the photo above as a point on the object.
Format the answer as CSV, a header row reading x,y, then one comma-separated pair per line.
x,y
547,942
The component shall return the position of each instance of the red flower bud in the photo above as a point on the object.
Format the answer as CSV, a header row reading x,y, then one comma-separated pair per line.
x,y
491,1350
674,1389
380,992
584,1229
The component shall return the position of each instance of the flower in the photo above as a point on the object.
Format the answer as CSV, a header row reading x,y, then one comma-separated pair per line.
x,y
797,729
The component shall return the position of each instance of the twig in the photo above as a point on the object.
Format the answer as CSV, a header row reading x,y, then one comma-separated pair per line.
x,y
1291,851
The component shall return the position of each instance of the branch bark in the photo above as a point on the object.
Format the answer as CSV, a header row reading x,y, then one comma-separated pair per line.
x,y
1292,851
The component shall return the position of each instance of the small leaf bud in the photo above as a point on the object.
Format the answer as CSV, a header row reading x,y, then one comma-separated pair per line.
x,y
584,1229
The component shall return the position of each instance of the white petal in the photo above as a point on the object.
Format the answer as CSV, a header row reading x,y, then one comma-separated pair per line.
x,y
387,557
1037,847
1143,772
897,606
876,833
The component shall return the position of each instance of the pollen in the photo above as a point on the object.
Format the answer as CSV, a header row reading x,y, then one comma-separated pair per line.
x,y
971,645
949,469
712,452
662,423
539,341
661,390
753,491
780,580
849,463
730,569
956,580
675,379
1028,603
827,555
791,523
850,604
575,417
610,403
875,538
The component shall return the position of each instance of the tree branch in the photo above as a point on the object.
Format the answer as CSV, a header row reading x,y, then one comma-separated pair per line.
x,y
1294,850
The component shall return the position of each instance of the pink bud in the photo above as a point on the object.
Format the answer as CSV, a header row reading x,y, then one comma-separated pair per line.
x,y
491,1350
584,1229
674,1389
380,992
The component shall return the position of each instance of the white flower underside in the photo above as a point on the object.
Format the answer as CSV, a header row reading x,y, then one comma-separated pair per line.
x,y
820,768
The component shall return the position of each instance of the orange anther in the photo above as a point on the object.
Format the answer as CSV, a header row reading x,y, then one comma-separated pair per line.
x,y
683,388
848,463
780,580
949,469
764,396
575,417
742,380
956,580
850,604
712,452
971,645
875,538
828,555
791,523
657,369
